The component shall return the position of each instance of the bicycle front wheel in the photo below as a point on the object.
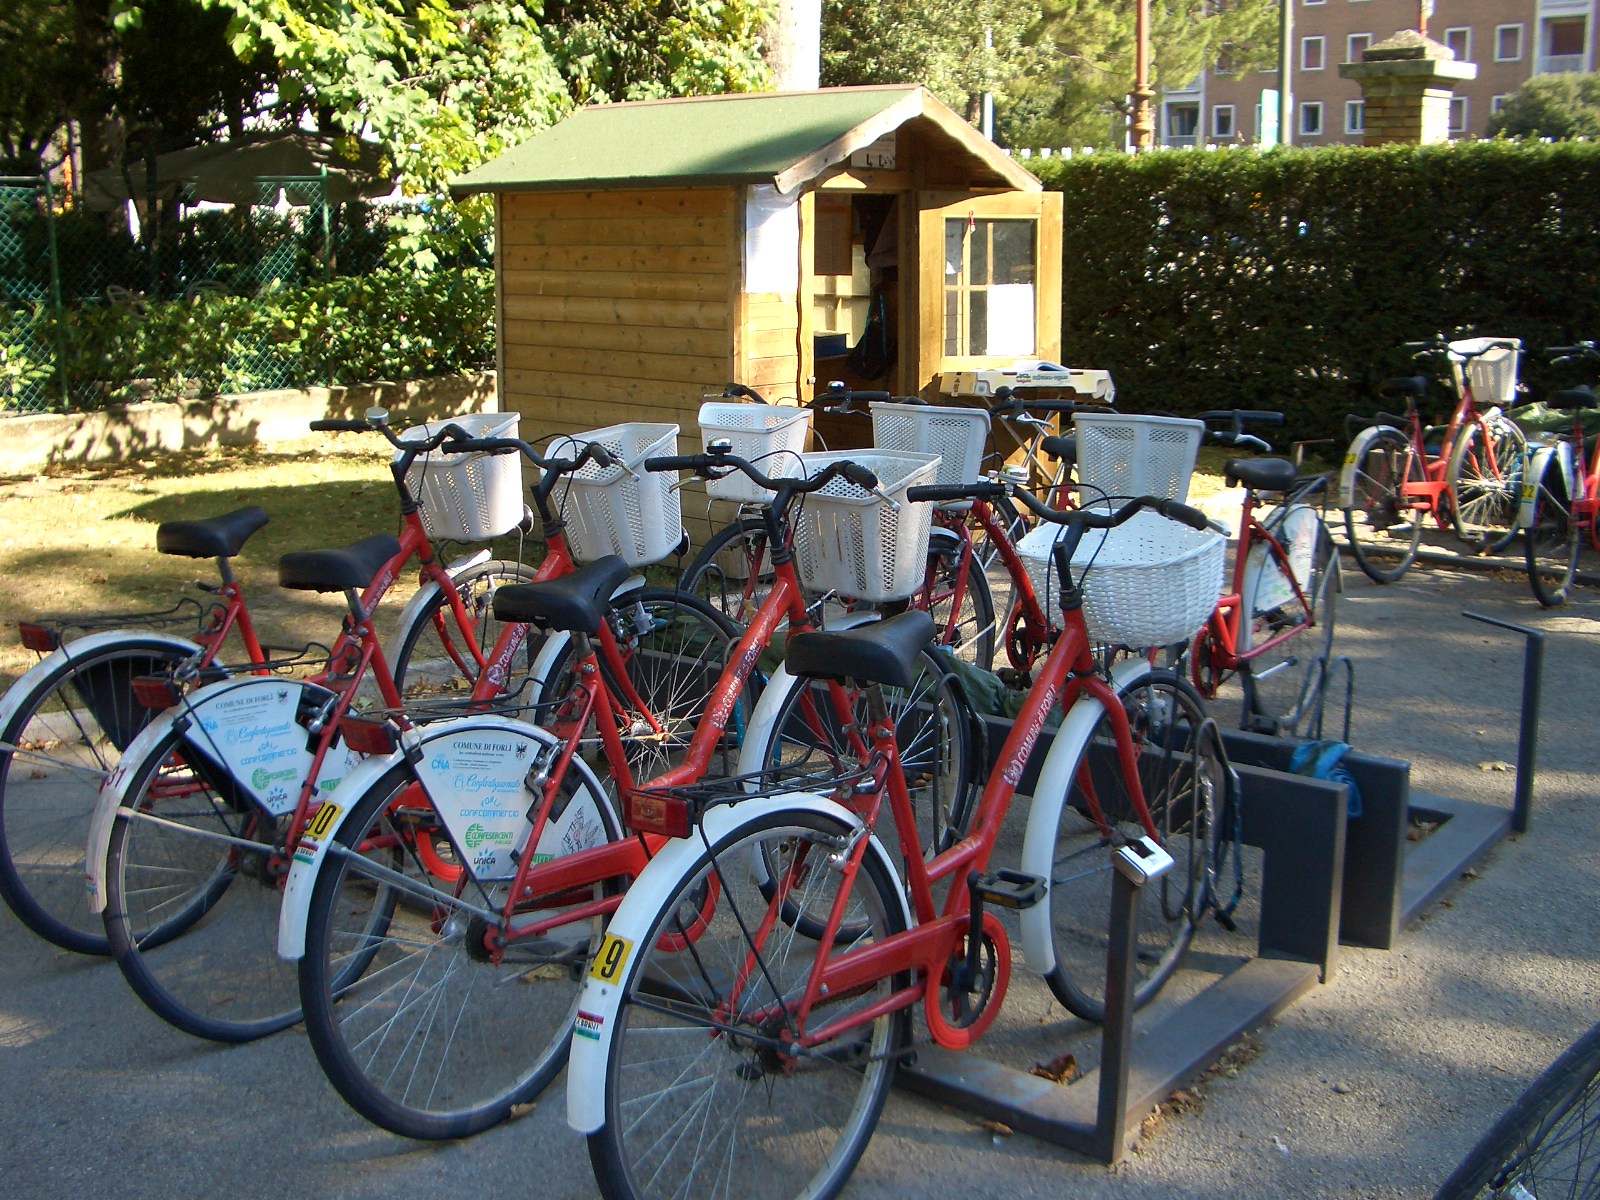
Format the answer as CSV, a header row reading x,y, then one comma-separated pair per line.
x,y
436,656
1548,1144
192,899
63,739
1185,783
733,571
1552,540
706,1090
967,629
421,1024
1485,476
1384,530
1283,684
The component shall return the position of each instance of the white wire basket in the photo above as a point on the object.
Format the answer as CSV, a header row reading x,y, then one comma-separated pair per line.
x,y
1492,374
770,437
958,435
1127,456
621,509
1151,581
467,497
853,543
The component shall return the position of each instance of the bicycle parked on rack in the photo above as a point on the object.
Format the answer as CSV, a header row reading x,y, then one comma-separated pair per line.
x,y
744,1015
1393,476
1560,492
460,1006
1273,626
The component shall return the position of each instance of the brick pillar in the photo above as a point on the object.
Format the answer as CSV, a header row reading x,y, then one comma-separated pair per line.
x,y
1407,83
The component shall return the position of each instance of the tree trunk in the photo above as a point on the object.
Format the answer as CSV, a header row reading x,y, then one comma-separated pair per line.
x,y
794,41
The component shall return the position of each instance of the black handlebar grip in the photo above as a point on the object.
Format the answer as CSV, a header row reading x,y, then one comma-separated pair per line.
x,y
677,462
859,475
340,426
940,492
738,390
1183,513
1260,416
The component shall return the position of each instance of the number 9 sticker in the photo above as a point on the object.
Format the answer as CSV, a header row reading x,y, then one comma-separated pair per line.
x,y
612,958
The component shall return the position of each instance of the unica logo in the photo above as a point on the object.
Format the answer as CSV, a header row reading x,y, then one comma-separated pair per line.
x,y
263,777
477,836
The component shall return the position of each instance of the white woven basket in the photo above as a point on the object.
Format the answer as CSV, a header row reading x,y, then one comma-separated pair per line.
x,y
1127,456
958,435
1151,581
621,509
770,437
1493,374
851,542
467,497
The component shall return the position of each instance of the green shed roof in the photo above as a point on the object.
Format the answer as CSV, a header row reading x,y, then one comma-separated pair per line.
x,y
783,138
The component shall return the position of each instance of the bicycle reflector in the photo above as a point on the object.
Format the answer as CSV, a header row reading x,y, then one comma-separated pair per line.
x,y
365,735
37,638
649,812
156,692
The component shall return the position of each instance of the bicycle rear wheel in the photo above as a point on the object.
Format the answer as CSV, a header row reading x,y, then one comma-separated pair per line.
x,y
192,899
1547,1144
435,658
1185,783
64,737
415,1022
966,630
1485,477
733,571
1384,530
705,1092
1282,685
1552,540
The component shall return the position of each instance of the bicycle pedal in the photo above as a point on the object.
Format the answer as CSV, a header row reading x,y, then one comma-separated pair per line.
x,y
1006,888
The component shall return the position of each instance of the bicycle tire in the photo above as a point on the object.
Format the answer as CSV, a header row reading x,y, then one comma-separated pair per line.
x,y
674,647
192,921
733,571
417,1030
743,1112
1542,1142
63,739
1282,685
1377,525
1002,588
969,633
935,731
433,661
1485,488
1552,540
1185,783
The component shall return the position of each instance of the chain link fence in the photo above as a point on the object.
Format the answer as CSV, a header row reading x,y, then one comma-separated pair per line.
x,y
83,294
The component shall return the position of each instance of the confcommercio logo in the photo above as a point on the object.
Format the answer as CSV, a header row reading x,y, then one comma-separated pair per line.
x,y
477,836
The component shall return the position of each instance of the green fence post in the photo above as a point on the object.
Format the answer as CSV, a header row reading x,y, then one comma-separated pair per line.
x,y
57,308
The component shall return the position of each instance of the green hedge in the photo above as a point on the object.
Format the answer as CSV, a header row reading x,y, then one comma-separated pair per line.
x,y
1288,279
387,325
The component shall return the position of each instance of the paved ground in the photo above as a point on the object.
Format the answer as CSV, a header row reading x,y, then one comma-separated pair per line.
x,y
1372,1086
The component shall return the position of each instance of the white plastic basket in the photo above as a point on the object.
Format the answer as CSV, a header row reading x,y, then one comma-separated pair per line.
x,y
957,435
852,543
771,437
621,509
467,497
1493,374
1151,581
1127,456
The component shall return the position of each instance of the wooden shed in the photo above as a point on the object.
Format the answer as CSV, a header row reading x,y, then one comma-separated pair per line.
x,y
649,253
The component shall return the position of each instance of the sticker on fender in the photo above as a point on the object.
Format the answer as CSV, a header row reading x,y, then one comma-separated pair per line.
x,y
588,1025
612,958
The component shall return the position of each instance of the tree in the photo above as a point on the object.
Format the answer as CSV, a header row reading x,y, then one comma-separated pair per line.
x,y
1561,107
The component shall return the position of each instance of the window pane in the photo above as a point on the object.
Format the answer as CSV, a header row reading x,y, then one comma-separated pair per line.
x,y
989,286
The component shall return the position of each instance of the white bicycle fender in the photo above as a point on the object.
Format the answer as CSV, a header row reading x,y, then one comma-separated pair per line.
x,y
599,1001
758,730
429,590
76,649
110,800
1049,794
1346,497
1538,463
312,851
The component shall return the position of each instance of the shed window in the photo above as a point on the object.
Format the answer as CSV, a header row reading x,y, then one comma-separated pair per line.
x,y
989,269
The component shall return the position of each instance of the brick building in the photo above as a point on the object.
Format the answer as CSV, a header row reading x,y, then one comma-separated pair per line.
x,y
1509,40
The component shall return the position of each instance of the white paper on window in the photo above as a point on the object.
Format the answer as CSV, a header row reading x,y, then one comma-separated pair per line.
x,y
1010,319
771,241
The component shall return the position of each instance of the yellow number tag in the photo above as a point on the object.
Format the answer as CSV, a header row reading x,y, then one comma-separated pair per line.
x,y
325,820
612,958
1350,459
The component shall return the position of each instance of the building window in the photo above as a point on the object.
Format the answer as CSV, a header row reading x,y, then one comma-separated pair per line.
x,y
1508,43
1458,114
1460,42
1311,118
1563,41
1227,59
1311,53
1496,103
1355,116
1356,45
1222,126
1183,125
1309,3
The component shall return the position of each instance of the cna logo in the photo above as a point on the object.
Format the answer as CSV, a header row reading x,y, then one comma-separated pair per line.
x,y
439,763
477,836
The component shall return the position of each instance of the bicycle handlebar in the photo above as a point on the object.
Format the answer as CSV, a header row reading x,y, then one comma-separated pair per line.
x,y
716,465
1085,518
593,452
1561,354
339,426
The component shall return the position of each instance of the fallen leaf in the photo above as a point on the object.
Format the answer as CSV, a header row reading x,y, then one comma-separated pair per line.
x,y
999,1129
522,1110
1494,765
1058,1070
